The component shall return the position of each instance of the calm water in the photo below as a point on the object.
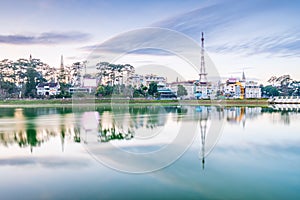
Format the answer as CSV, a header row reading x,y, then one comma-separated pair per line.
x,y
253,153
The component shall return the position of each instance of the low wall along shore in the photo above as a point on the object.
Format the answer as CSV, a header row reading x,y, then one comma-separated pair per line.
x,y
57,102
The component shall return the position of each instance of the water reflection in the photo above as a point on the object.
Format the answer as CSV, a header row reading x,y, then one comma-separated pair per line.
x,y
257,144
31,127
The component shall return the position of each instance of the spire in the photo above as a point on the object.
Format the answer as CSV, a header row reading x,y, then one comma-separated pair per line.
x,y
243,76
62,77
203,74
61,62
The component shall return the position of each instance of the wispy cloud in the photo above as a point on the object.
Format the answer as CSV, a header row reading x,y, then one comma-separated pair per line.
x,y
145,41
282,45
45,38
121,49
243,27
140,41
212,19
239,27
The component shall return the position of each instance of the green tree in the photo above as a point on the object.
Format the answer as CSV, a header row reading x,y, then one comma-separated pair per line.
x,y
105,90
8,87
152,89
30,86
138,92
181,91
64,90
270,91
100,90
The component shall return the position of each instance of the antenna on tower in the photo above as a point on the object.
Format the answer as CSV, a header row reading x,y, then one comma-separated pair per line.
x,y
203,74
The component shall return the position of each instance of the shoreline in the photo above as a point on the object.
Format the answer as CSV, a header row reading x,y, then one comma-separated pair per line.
x,y
130,102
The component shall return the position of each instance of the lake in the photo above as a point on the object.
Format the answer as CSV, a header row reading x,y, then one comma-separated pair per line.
x,y
150,152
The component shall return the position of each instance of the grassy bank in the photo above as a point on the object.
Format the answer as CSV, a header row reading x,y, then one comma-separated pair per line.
x,y
65,102
235,102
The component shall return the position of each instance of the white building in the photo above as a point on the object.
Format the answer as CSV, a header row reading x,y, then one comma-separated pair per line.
x,y
136,80
233,88
90,84
236,89
202,91
154,78
48,89
252,90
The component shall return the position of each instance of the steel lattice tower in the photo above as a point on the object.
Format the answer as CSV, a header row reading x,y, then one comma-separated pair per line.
x,y
203,74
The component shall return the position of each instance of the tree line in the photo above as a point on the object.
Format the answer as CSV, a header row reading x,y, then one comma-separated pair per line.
x,y
19,78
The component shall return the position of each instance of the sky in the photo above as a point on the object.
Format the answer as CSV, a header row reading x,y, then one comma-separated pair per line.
x,y
260,37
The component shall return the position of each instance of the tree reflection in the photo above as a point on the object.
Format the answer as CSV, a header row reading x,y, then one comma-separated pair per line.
x,y
31,127
108,134
77,138
134,118
32,140
282,112
285,117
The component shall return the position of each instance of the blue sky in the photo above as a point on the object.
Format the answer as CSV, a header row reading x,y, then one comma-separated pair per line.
x,y
261,37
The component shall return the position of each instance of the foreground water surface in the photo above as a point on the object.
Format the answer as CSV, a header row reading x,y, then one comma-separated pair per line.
x,y
223,152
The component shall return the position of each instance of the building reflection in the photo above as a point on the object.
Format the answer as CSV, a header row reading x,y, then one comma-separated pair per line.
x,y
31,127
238,115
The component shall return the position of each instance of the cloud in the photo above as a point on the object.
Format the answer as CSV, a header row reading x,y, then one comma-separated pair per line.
x,y
139,41
144,41
120,49
282,45
243,27
45,38
211,19
240,27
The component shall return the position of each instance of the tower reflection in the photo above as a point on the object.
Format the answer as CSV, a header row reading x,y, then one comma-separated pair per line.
x,y
32,127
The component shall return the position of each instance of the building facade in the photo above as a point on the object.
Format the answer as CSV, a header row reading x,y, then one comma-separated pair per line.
x,y
241,89
154,78
136,80
48,89
252,90
233,88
